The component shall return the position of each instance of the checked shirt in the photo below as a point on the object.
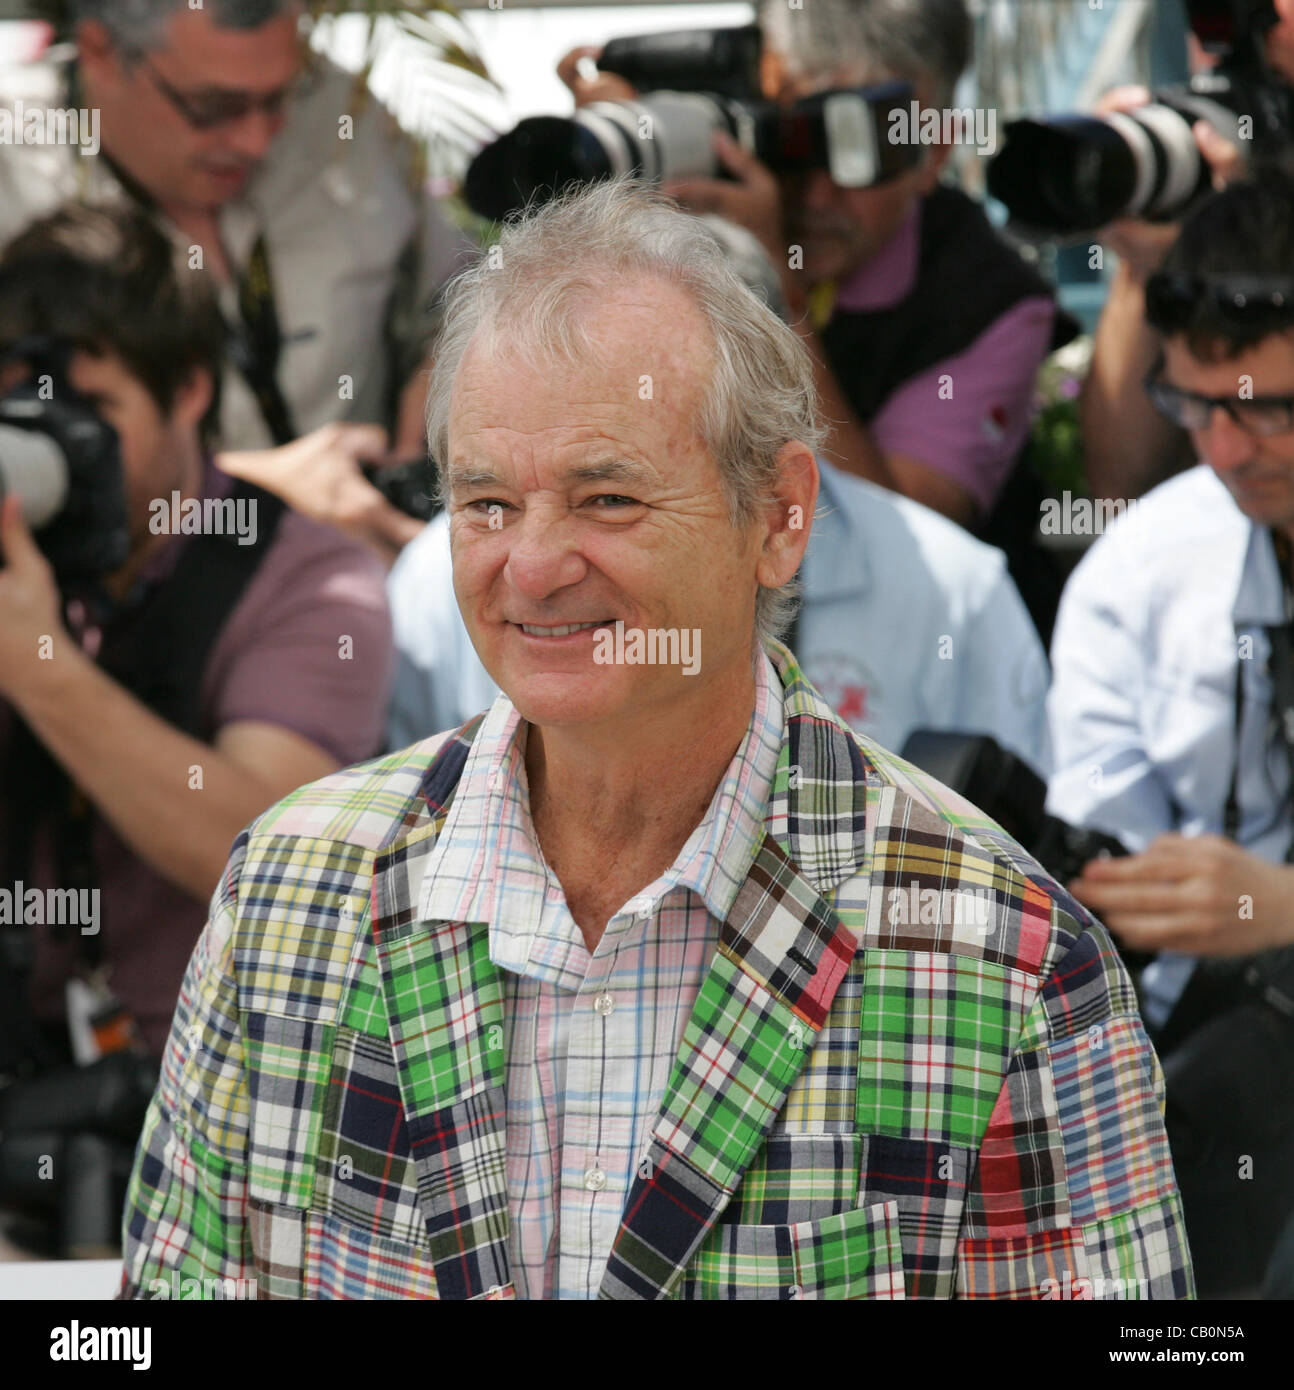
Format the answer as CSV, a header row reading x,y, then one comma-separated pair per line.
x,y
863,1103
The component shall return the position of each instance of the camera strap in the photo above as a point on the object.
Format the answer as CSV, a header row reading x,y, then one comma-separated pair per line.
x,y
258,342
1221,982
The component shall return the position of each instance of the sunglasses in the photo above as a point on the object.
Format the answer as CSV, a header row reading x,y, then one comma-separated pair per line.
x,y
1249,301
210,110
1260,416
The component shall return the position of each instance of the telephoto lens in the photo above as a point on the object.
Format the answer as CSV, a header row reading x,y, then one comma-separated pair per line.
x,y
1076,173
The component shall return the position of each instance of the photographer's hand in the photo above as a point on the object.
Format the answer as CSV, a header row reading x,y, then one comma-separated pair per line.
x,y
31,618
1201,894
606,86
1142,245
319,476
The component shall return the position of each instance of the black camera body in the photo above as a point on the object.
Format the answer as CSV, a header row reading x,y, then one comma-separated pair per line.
x,y
1073,173
692,84
64,462
1010,792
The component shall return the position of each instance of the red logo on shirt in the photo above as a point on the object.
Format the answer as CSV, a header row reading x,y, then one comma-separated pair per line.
x,y
853,703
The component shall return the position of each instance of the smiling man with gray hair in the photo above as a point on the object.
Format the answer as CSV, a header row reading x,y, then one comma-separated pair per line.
x,y
645,984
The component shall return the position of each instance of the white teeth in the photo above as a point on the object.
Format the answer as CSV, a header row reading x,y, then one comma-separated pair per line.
x,y
556,631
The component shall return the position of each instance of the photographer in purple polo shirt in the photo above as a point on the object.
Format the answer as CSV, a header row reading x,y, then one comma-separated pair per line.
x,y
148,718
926,329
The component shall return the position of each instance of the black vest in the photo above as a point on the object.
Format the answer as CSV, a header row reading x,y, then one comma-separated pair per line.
x,y
967,278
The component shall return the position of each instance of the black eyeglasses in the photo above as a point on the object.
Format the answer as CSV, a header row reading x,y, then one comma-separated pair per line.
x,y
1250,301
208,110
1259,416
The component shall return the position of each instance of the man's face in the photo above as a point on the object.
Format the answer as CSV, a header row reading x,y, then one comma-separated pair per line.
x,y
146,132
838,228
1258,472
583,495
154,445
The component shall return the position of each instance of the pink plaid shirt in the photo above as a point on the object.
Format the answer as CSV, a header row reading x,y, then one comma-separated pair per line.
x,y
590,1039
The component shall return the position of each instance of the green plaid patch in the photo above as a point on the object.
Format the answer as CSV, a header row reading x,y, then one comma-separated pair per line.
x,y
935,1040
444,999
365,1011
741,1050
854,1255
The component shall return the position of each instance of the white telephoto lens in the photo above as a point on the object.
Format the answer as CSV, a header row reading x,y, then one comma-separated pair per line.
x,y
33,466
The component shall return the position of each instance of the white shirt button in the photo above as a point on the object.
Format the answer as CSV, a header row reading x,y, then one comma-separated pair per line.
x,y
595,1180
604,1004
641,907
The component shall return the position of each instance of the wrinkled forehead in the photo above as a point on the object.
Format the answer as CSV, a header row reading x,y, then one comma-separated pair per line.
x,y
630,341
625,397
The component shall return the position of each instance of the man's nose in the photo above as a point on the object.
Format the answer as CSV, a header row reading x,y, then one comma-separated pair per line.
x,y
544,555
252,135
1226,445
817,190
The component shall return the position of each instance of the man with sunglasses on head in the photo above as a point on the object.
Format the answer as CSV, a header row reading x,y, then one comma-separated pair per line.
x,y
301,203
1172,719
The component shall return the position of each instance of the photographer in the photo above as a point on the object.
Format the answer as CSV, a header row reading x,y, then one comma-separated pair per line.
x,y
1128,446
302,203
903,286
1172,714
145,718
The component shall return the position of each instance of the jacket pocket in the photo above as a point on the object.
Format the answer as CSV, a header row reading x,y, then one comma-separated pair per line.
x,y
856,1254
345,1261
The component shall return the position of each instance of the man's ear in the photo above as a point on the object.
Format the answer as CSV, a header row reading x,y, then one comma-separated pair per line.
x,y
789,515
96,52
193,399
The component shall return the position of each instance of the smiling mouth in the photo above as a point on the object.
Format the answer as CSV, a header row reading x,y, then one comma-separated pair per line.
x,y
534,630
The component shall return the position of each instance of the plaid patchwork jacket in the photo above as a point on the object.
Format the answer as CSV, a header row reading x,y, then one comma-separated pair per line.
x,y
878,1094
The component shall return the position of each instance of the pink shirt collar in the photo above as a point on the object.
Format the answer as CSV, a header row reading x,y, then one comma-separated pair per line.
x,y
890,274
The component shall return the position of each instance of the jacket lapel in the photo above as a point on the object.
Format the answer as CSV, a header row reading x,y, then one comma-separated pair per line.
x,y
444,1003
781,958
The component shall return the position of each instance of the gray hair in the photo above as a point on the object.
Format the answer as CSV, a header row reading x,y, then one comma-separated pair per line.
x,y
920,40
139,26
553,263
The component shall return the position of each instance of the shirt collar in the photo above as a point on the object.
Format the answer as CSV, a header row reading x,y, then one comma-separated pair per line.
x,y
487,865
887,277
835,565
1260,599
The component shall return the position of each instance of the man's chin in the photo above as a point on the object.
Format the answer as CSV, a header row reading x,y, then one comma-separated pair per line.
x,y
1265,504
553,698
